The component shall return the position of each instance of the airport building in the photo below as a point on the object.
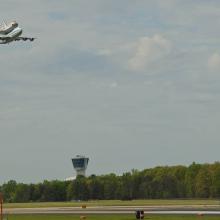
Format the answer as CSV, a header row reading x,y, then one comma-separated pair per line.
x,y
80,164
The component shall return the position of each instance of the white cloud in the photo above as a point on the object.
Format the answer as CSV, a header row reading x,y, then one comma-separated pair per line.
x,y
113,85
214,62
148,50
104,52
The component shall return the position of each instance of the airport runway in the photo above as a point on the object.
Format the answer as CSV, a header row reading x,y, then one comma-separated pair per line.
x,y
171,210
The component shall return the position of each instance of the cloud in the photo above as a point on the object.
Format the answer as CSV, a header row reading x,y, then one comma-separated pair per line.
x,y
214,62
113,85
148,50
104,52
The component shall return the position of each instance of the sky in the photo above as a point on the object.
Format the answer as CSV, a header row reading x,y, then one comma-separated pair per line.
x,y
132,84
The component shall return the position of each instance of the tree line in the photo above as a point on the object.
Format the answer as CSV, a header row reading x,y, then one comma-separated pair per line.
x,y
164,182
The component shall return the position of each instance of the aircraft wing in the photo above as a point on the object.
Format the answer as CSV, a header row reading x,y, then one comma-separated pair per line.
x,y
24,38
4,38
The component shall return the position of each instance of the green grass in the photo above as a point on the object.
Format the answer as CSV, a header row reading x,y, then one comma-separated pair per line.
x,y
151,202
109,217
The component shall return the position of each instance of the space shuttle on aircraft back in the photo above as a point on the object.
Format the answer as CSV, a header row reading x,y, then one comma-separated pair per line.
x,y
11,32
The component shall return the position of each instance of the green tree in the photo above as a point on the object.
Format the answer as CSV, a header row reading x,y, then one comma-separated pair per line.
x,y
191,174
95,187
8,190
203,183
126,186
22,193
80,188
215,176
110,184
35,192
70,191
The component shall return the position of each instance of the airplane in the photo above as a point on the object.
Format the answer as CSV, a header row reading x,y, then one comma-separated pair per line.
x,y
12,32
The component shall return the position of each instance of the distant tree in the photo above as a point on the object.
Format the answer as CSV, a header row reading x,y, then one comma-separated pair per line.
x,y
137,179
215,178
191,174
180,172
110,184
69,191
22,193
95,187
35,192
203,183
126,186
195,181
145,188
80,188
8,190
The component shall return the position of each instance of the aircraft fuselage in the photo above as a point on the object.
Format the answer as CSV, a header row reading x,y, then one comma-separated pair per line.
x,y
14,34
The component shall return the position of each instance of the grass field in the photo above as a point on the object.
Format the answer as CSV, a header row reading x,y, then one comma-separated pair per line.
x,y
150,202
108,217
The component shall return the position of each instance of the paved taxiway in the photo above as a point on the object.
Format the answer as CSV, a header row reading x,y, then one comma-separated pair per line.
x,y
206,210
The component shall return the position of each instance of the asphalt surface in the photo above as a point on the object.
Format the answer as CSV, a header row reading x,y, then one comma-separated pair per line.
x,y
188,210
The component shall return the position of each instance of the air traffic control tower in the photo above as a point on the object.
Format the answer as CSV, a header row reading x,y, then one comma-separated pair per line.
x,y
80,164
